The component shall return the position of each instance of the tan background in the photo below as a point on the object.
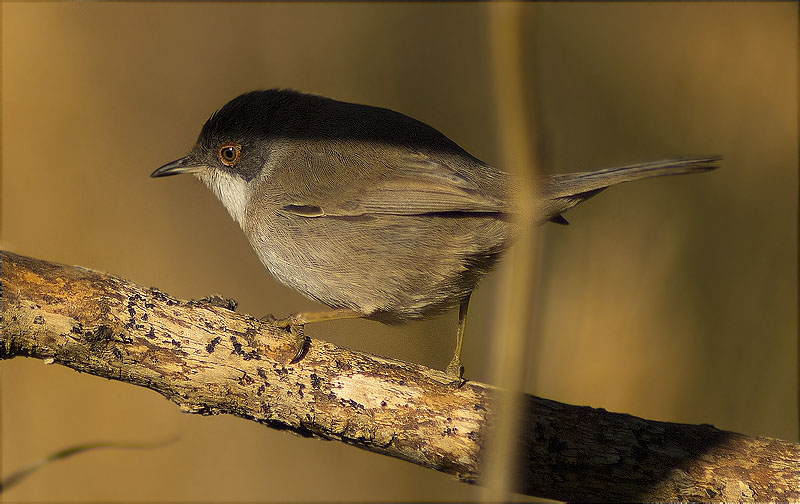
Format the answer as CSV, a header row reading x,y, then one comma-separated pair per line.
x,y
672,299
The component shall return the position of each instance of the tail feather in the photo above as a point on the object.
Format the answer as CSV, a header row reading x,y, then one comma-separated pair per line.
x,y
563,191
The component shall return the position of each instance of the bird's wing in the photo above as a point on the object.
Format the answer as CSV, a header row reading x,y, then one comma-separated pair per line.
x,y
407,184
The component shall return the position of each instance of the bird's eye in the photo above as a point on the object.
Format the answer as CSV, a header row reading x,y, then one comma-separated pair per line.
x,y
229,153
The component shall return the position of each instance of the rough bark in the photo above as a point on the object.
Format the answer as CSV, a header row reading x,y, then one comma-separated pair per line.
x,y
210,360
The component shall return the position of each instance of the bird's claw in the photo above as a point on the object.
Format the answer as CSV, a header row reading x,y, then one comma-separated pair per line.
x,y
456,371
300,347
296,327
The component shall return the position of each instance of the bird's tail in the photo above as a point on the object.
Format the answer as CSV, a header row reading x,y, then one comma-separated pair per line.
x,y
562,192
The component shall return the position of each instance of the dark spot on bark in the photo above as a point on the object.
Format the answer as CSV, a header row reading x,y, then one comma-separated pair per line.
x,y
214,342
38,319
711,493
144,316
216,300
175,343
261,372
77,329
245,380
315,381
353,404
237,350
260,390
151,333
99,337
300,390
478,407
117,352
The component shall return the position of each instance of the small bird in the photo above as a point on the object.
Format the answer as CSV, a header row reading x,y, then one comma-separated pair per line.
x,y
369,211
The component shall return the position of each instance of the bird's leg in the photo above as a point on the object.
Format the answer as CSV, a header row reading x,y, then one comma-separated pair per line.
x,y
455,368
304,318
297,321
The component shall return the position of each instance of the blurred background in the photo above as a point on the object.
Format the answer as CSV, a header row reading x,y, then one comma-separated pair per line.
x,y
673,299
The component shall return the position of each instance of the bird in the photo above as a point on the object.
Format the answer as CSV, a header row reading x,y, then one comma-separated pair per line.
x,y
373,213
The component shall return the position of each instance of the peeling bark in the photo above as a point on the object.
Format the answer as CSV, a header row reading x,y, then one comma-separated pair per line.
x,y
210,360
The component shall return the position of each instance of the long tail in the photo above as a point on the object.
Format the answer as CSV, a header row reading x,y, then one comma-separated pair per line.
x,y
562,192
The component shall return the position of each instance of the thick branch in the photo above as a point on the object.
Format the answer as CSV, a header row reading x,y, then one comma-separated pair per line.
x,y
210,360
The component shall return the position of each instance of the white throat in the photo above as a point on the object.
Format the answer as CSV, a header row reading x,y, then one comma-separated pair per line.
x,y
231,190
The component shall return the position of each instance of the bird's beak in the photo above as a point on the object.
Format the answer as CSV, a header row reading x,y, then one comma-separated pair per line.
x,y
183,165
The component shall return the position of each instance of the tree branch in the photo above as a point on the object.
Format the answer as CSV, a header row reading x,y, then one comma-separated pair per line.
x,y
210,360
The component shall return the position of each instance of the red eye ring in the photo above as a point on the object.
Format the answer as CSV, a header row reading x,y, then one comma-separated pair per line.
x,y
229,153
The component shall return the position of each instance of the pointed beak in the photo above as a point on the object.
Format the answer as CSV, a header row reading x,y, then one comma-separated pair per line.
x,y
183,165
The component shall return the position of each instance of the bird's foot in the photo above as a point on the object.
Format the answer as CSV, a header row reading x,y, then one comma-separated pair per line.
x,y
300,341
295,325
456,371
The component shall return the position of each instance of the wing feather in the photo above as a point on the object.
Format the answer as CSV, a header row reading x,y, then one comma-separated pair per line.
x,y
412,184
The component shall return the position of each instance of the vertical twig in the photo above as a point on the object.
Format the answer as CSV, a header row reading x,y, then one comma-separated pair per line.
x,y
518,156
